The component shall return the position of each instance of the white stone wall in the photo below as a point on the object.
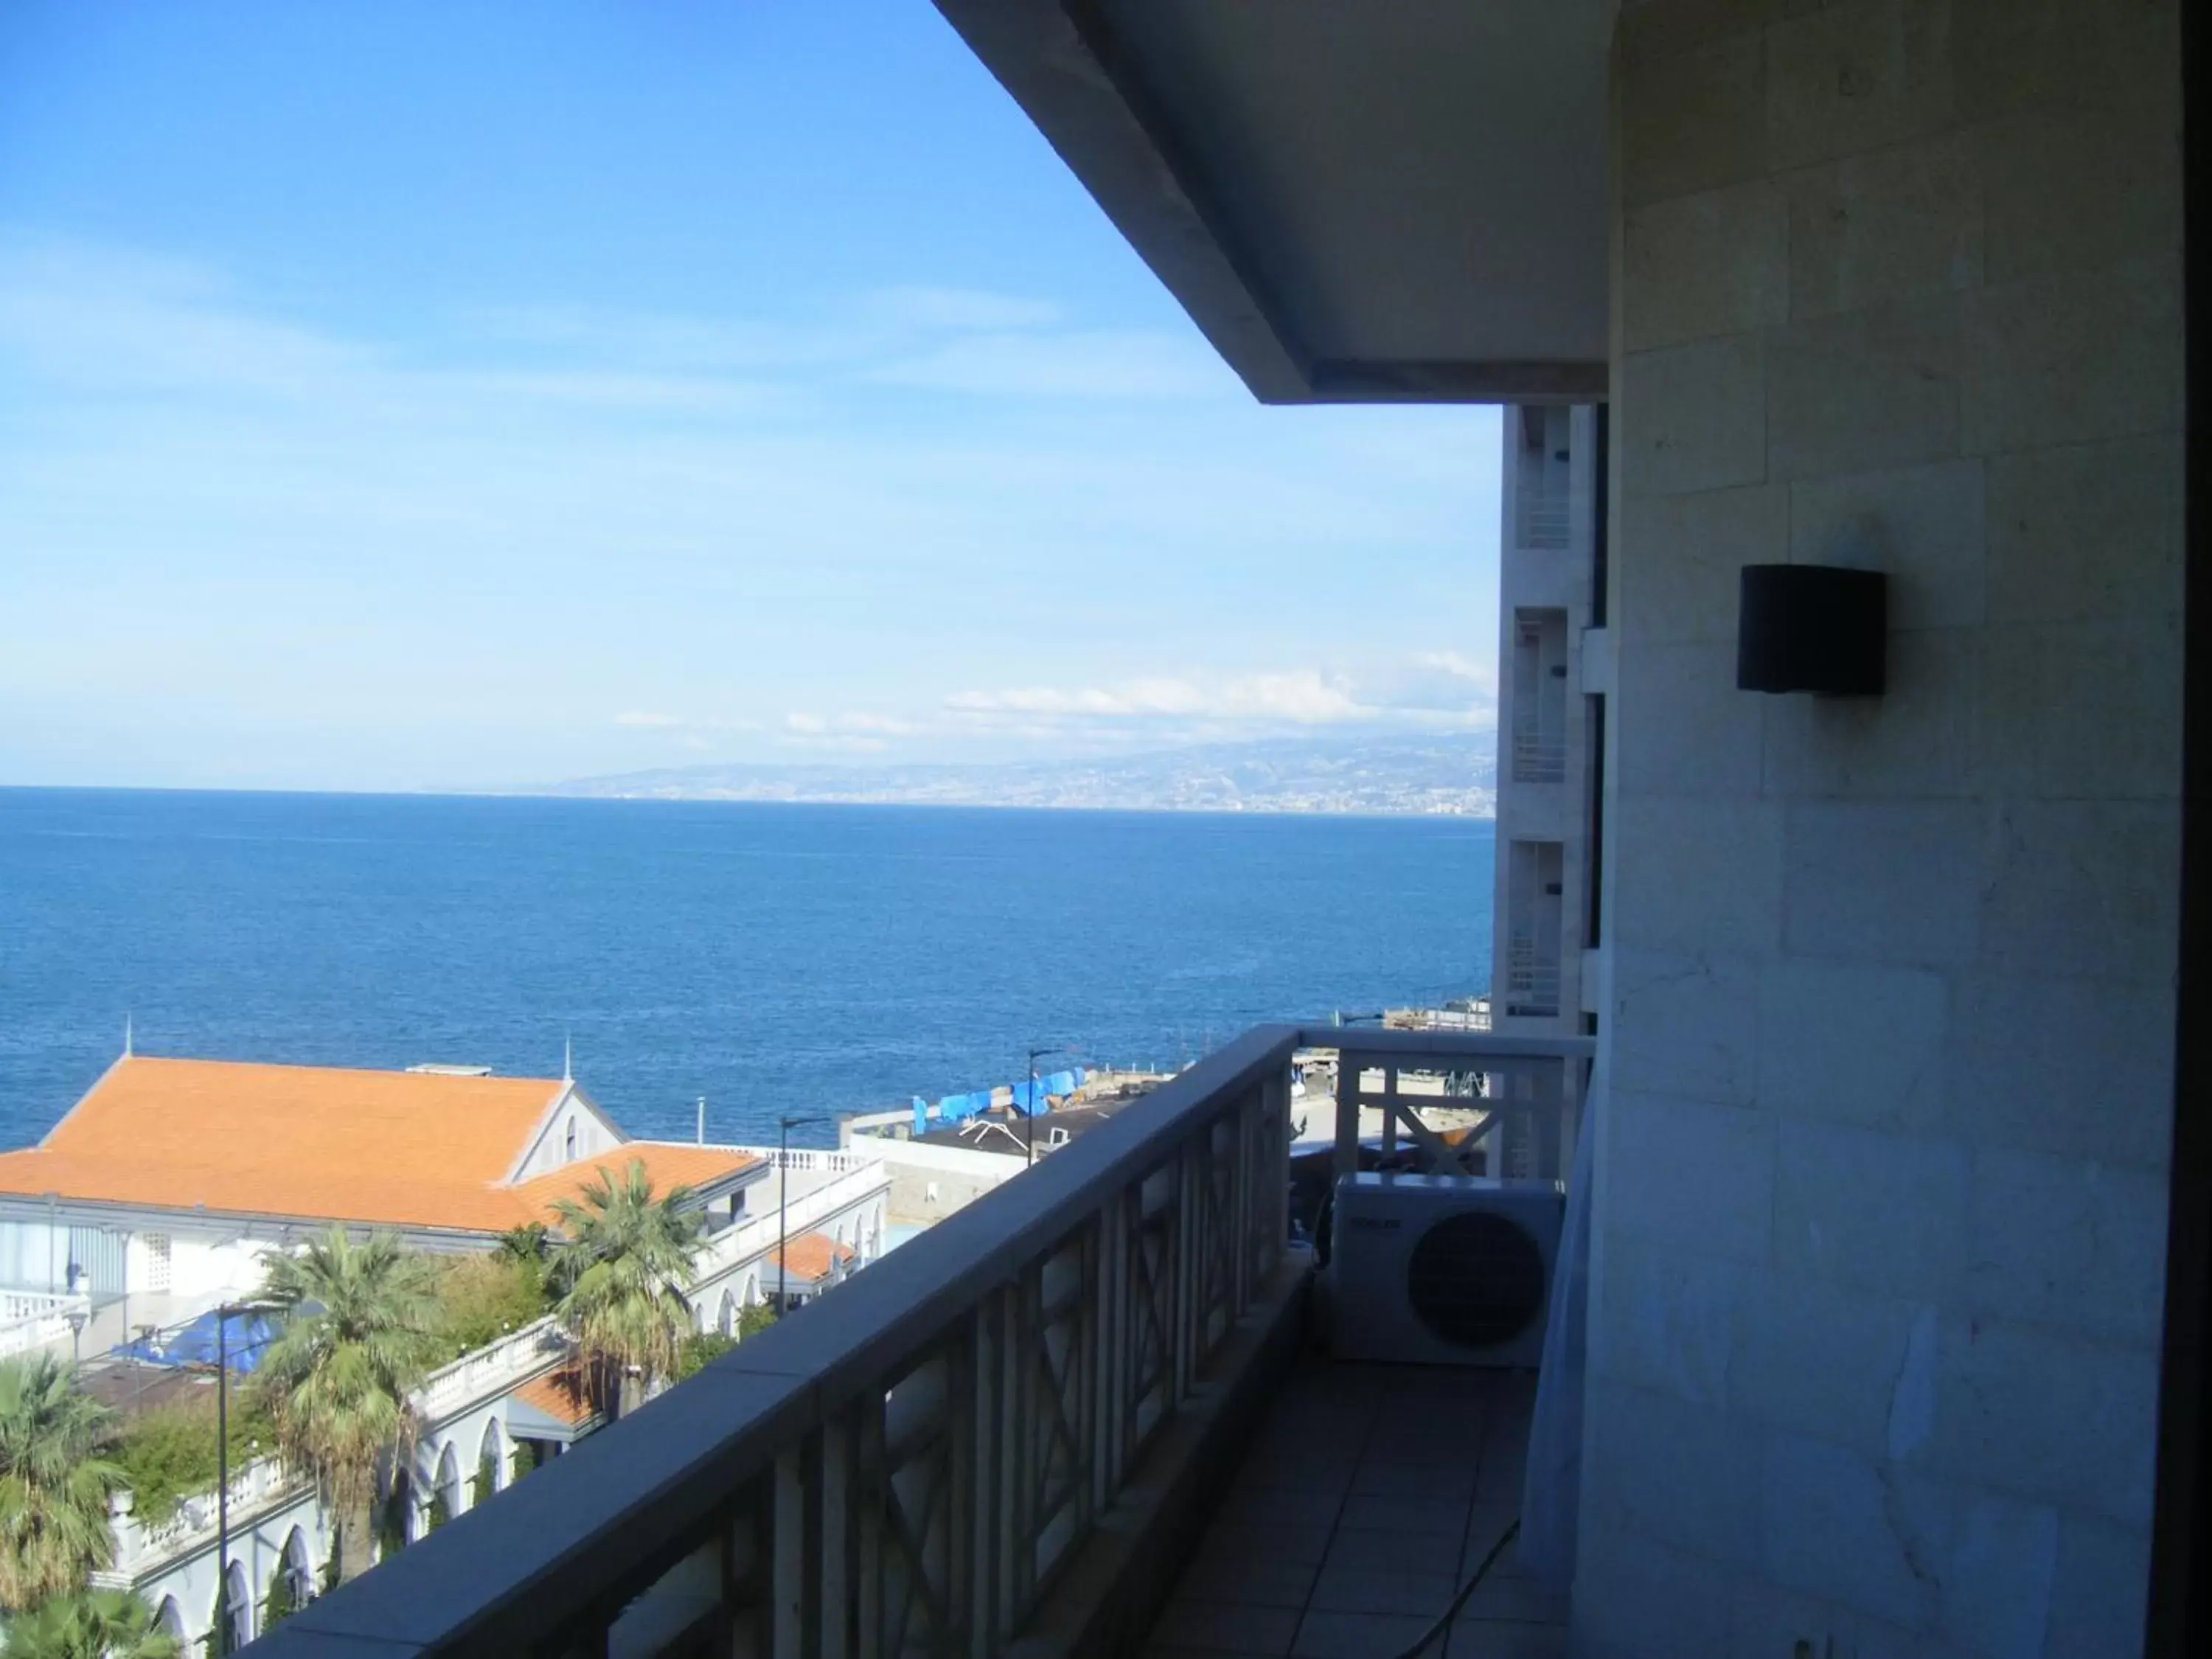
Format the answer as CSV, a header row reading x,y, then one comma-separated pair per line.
x,y
188,1583
1880,1191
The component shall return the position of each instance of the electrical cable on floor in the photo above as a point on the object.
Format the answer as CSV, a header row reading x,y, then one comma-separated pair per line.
x,y
1444,1619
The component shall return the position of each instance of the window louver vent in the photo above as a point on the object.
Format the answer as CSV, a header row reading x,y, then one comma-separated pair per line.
x,y
1475,1279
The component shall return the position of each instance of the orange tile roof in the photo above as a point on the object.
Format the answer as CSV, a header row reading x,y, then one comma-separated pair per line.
x,y
667,1163
814,1255
559,1394
408,1149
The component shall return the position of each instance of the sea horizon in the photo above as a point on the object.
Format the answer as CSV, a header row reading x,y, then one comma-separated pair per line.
x,y
778,958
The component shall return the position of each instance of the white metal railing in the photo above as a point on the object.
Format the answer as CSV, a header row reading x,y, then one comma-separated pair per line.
x,y
493,1369
1523,1094
1538,759
31,1319
861,1180
1532,980
911,1463
1476,1019
259,1484
805,1157
1545,524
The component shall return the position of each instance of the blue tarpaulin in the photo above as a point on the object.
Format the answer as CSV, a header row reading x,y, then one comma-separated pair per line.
x,y
244,1336
955,1109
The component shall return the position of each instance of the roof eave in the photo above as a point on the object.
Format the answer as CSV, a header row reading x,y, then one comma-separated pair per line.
x,y
1062,66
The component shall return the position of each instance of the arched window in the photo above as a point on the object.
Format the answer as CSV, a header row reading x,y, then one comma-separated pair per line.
x,y
234,1614
171,1621
396,1526
491,1463
446,1496
752,1296
292,1586
572,1138
726,1320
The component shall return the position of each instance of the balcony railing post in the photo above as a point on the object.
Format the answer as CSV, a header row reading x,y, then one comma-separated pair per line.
x,y
1183,1242
976,1476
788,1570
1016,1419
869,1481
835,1545
1112,1352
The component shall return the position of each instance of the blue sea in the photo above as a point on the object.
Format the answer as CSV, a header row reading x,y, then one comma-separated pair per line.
x,y
774,959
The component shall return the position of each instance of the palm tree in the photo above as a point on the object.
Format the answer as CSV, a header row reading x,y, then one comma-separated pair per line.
x,y
357,1336
622,1268
91,1625
54,1482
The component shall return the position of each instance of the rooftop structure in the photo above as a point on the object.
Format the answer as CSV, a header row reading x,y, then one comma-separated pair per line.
x,y
433,1151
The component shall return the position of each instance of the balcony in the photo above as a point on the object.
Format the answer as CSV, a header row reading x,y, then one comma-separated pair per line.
x,y
1538,758
1013,1434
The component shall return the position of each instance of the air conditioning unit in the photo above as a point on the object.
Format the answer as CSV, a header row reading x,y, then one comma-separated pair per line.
x,y
1444,1270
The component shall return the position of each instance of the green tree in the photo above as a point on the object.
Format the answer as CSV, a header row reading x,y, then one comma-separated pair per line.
x,y
755,1319
620,1268
482,1297
358,1323
90,1624
700,1349
55,1481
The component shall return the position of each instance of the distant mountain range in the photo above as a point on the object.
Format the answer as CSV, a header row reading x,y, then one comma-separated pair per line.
x,y
1449,775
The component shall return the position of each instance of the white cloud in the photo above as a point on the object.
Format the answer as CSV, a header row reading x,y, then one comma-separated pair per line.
x,y
1435,688
856,723
641,717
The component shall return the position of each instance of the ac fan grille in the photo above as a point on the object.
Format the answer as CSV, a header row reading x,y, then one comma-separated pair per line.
x,y
1476,1279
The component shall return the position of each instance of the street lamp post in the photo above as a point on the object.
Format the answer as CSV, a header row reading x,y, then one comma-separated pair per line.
x,y
223,1317
1029,1127
784,1126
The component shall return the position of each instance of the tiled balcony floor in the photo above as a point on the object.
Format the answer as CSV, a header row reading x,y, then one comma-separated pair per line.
x,y
1370,1493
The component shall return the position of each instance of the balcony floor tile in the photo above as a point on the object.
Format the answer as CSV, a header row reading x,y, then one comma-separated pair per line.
x,y
1357,1635
1228,1627
1369,1493
1504,1641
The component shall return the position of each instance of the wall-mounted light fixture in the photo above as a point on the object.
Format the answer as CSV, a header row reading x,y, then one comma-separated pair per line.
x,y
1812,627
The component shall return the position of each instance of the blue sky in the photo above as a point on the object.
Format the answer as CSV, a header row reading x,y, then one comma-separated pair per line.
x,y
398,396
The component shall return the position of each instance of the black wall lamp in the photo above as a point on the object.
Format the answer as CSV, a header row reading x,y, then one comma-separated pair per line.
x,y
1812,627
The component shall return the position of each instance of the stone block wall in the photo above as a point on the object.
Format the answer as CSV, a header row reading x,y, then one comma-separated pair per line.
x,y
1881,1192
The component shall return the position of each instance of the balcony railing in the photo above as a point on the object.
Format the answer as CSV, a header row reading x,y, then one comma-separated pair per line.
x,y
1544,523
856,1179
493,1369
1538,759
949,1452
907,1465
264,1484
31,1319
1523,1095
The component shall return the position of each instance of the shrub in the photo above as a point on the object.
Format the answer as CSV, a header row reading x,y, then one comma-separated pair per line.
x,y
169,1454
482,1298
700,1350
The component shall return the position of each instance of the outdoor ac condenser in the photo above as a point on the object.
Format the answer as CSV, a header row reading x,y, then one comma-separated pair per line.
x,y
1444,1270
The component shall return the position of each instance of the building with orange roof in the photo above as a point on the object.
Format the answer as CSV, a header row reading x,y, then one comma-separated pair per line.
x,y
809,1264
171,1178
162,1191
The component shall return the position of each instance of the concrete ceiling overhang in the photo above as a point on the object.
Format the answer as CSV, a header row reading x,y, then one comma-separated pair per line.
x,y
1357,201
